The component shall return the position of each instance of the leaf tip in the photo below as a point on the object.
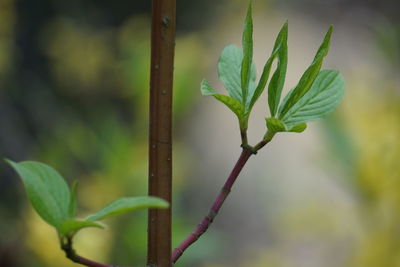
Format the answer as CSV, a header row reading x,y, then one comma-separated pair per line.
x,y
250,7
329,32
11,163
8,161
249,15
160,203
206,89
284,29
202,83
163,204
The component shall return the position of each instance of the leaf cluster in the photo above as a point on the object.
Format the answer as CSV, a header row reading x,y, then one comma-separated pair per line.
x,y
315,96
56,203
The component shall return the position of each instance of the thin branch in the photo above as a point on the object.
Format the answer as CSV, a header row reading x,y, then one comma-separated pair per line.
x,y
267,138
205,223
66,245
90,263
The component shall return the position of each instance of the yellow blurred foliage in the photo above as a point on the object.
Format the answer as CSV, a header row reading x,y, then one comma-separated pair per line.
x,y
373,114
82,58
88,61
371,117
42,240
7,25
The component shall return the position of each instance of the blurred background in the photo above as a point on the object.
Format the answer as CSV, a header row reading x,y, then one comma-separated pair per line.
x,y
74,78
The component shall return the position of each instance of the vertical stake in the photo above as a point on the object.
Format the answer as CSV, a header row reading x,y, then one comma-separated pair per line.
x,y
160,136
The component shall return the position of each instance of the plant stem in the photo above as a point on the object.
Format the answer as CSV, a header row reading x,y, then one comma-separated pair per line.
x,y
160,134
66,245
90,263
205,223
243,135
267,138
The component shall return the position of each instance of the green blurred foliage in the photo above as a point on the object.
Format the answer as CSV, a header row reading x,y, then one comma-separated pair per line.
x,y
362,231
7,24
106,151
82,107
97,130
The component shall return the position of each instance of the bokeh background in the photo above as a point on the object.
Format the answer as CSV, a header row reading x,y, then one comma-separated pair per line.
x,y
74,79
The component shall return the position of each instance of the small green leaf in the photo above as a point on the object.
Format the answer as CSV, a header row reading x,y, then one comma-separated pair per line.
x,y
127,204
280,48
46,189
324,95
74,199
206,88
278,78
298,128
71,227
274,125
247,43
308,77
230,102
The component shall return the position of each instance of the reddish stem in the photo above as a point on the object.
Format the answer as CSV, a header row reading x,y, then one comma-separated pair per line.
x,y
205,223
90,263
66,245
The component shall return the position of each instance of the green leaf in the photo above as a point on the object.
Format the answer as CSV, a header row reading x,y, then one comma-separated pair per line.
x,y
308,77
278,78
280,48
247,43
127,204
298,128
230,102
73,200
229,65
324,95
71,227
274,125
229,68
206,88
46,189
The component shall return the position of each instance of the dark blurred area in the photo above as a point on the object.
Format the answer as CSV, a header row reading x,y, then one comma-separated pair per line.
x,y
74,77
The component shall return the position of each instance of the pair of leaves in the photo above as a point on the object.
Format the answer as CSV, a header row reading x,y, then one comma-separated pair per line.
x,y
275,125
56,204
319,100
237,72
316,95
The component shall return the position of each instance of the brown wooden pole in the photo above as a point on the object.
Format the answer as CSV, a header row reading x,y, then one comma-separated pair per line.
x,y
160,136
